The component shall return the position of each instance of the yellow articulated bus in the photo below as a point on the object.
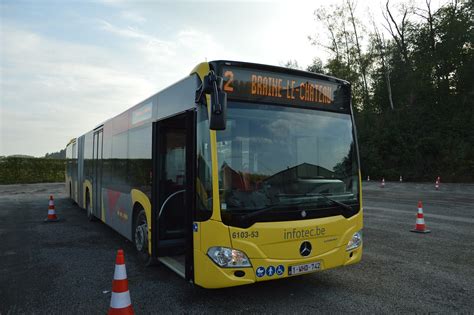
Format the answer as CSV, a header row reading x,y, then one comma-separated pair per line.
x,y
238,173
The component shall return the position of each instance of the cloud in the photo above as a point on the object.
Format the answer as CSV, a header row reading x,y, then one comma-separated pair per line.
x,y
60,87
188,47
113,2
146,44
53,90
128,32
132,16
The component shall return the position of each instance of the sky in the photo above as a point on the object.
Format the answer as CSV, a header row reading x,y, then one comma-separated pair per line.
x,y
67,66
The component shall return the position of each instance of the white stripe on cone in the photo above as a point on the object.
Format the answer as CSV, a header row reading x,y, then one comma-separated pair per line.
x,y
120,300
51,211
120,272
420,221
51,203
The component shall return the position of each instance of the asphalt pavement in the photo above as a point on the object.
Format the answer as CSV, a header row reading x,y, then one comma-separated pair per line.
x,y
67,267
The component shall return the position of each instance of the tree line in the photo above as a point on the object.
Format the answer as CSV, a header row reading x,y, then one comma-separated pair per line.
x,y
412,85
25,170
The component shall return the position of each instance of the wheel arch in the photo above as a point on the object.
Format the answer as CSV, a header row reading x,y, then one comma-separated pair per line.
x,y
87,188
87,195
141,201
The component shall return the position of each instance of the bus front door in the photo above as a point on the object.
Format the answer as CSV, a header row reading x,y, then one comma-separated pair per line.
x,y
173,182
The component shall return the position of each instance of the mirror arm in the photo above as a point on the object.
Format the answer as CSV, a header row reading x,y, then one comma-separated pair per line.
x,y
198,96
217,108
211,82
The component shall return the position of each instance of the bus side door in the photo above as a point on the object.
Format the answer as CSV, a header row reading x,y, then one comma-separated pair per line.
x,y
173,192
97,173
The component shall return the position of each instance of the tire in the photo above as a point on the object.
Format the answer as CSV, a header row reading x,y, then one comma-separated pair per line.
x,y
90,215
140,237
70,195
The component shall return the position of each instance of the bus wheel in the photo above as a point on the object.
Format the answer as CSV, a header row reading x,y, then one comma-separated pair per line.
x,y
70,195
140,237
90,215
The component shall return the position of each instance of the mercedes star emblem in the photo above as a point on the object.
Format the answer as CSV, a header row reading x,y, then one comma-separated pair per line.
x,y
305,249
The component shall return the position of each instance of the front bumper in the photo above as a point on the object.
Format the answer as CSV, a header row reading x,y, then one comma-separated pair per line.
x,y
209,275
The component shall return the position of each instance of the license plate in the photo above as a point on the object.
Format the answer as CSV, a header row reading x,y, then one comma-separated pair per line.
x,y
294,270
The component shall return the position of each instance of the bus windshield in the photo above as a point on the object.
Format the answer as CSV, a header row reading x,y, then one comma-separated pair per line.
x,y
277,161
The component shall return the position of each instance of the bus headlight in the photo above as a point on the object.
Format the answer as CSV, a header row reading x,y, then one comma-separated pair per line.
x,y
355,241
228,257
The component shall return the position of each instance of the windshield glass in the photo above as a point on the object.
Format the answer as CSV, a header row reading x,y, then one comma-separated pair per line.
x,y
285,159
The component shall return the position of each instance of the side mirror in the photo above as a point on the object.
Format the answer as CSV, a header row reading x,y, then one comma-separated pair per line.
x,y
213,84
217,120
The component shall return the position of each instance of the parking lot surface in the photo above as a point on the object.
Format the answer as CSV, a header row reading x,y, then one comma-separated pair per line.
x,y
68,267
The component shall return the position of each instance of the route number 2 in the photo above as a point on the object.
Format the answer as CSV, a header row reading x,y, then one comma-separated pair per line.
x,y
229,75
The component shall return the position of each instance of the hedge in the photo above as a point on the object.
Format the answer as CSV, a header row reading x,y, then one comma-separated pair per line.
x,y
19,170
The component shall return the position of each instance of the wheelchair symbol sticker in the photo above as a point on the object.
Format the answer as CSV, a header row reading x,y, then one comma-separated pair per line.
x,y
280,270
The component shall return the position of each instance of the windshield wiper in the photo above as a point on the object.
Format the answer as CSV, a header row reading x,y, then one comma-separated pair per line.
x,y
271,207
341,204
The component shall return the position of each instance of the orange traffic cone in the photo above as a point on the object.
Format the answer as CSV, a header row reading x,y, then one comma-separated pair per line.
x,y
383,183
420,221
120,303
368,178
401,179
51,212
437,183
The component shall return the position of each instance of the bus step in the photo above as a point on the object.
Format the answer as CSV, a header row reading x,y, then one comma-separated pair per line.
x,y
175,263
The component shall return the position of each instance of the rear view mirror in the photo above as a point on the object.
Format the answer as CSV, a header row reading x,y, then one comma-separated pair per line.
x,y
217,120
213,84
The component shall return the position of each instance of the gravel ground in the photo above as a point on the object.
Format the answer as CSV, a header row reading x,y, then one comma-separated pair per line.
x,y
67,267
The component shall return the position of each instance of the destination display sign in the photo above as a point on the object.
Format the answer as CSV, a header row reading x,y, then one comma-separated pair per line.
x,y
279,88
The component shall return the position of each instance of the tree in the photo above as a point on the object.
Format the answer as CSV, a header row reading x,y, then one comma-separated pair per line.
x,y
292,64
413,91
380,46
362,63
61,154
316,66
348,60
